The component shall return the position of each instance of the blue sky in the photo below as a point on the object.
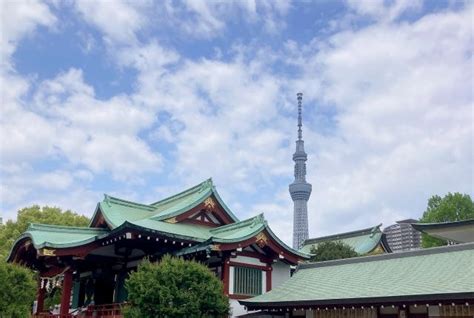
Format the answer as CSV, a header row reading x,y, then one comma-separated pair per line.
x,y
141,99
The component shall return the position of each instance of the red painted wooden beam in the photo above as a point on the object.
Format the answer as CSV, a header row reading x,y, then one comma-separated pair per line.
x,y
66,293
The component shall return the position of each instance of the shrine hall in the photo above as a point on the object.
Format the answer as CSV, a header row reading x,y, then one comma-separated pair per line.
x,y
92,263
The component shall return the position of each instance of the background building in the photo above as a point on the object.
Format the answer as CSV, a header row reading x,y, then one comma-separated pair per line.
x,y
401,236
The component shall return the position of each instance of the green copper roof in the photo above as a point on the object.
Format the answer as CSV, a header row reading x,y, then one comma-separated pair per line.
x,y
56,236
116,211
445,270
237,232
156,218
362,241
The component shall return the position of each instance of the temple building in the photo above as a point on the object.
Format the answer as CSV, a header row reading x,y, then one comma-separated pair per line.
x,y
93,262
434,282
369,241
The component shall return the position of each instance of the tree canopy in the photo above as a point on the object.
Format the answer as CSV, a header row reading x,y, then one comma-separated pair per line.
x,y
11,230
451,207
17,292
175,288
331,250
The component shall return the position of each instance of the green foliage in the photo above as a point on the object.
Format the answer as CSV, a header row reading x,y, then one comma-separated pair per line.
x,y
330,250
11,230
452,207
175,288
17,292
52,298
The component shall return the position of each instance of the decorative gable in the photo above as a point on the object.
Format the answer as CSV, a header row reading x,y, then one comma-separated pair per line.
x,y
208,213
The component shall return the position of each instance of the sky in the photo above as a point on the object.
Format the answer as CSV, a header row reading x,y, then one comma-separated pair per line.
x,y
142,99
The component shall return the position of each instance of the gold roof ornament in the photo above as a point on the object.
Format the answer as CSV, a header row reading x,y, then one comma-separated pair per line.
x,y
171,220
261,239
209,203
48,252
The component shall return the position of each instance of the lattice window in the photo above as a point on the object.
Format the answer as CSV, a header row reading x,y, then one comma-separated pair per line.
x,y
247,281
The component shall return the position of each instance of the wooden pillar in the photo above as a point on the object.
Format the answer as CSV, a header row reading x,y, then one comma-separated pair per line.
x,y
225,275
268,279
40,297
66,293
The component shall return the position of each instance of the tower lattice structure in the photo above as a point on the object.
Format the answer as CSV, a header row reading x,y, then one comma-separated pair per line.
x,y
300,190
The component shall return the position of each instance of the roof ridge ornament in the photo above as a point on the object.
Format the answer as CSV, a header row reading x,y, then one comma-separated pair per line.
x,y
206,185
107,199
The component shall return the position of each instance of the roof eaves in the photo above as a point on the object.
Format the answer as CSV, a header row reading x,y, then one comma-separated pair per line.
x,y
221,202
255,231
357,301
204,246
387,256
428,226
109,222
109,199
344,235
199,187
63,228
256,220
131,225
28,235
301,254
163,216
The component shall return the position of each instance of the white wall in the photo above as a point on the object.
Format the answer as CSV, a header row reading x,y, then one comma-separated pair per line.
x,y
280,273
237,309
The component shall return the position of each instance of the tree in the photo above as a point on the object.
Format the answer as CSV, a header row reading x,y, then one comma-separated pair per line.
x,y
11,230
175,288
17,292
452,207
330,250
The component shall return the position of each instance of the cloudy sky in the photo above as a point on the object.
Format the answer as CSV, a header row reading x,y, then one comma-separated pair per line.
x,y
141,99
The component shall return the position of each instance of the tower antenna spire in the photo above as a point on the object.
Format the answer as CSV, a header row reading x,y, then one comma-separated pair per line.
x,y
299,96
300,190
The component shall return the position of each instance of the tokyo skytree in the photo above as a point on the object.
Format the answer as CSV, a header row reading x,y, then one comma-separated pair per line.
x,y
300,190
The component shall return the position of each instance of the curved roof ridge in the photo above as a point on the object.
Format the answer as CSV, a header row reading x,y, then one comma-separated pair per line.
x,y
108,199
343,235
287,247
206,184
258,219
52,227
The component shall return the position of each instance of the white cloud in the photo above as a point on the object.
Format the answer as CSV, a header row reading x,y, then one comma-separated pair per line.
x,y
101,135
118,20
209,19
225,132
19,19
149,57
404,121
382,10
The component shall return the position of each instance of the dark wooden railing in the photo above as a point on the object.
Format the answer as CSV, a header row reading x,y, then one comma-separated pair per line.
x,y
92,311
